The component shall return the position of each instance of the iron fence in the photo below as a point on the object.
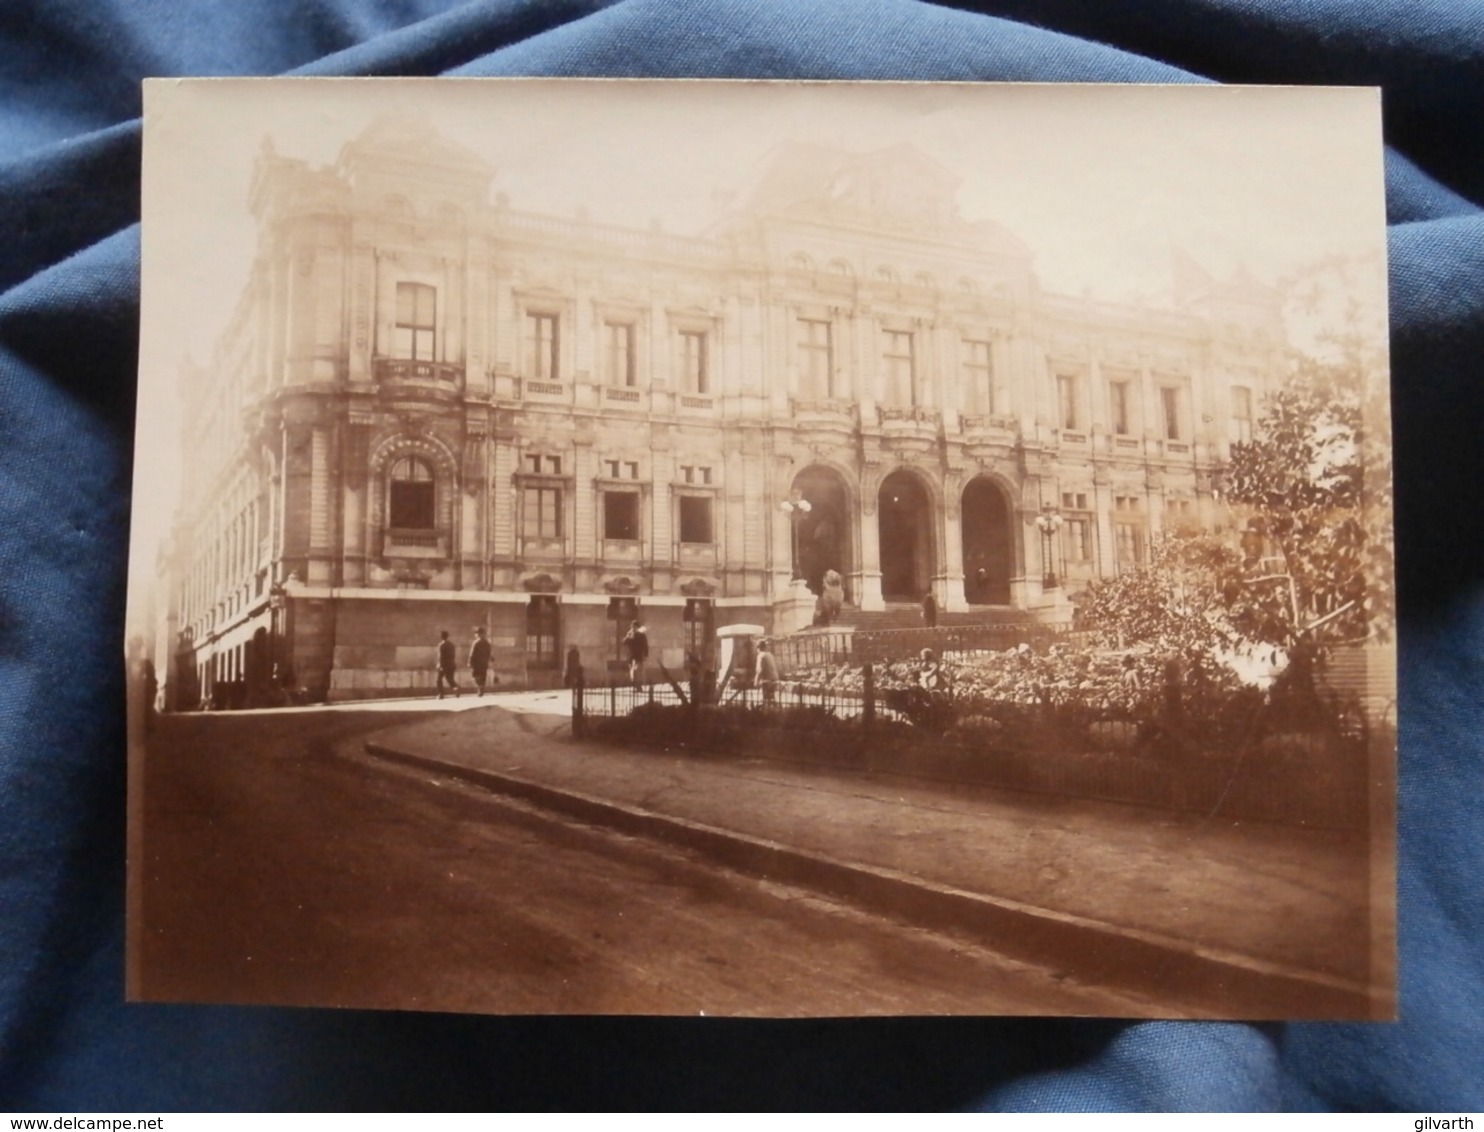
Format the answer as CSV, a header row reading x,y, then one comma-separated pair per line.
x,y
821,648
1243,754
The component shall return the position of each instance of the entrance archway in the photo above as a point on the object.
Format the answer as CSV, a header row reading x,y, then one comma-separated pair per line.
x,y
989,545
822,533
905,512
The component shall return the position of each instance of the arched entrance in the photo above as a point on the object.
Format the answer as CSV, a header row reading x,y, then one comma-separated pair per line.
x,y
989,545
906,514
821,531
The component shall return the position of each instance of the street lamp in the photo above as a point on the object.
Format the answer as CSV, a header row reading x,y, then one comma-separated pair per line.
x,y
1048,522
795,508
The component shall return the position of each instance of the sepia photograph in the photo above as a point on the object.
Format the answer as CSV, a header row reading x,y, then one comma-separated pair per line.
x,y
765,549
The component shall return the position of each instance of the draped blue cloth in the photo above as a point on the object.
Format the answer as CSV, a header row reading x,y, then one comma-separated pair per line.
x,y
69,297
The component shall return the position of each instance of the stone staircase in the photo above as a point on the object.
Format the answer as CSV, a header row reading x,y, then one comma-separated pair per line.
x,y
908,615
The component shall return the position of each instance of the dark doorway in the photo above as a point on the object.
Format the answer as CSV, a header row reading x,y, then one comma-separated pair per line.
x,y
906,516
822,530
988,544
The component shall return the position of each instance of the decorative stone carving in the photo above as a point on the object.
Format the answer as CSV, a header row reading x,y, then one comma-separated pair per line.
x,y
622,585
541,584
698,587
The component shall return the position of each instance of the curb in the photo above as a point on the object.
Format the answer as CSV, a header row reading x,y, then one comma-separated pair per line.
x,y
1227,983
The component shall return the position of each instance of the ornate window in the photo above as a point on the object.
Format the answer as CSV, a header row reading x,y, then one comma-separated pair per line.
x,y
700,628
695,519
1169,405
542,502
1128,530
414,334
543,631
1077,527
978,392
1120,407
1068,402
618,354
901,366
411,496
816,358
695,376
621,515
543,346
1241,414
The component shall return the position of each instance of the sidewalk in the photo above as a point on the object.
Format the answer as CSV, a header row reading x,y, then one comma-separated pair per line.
x,y
1240,920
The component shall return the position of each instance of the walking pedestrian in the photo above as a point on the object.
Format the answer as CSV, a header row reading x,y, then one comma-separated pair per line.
x,y
636,644
479,659
447,664
766,677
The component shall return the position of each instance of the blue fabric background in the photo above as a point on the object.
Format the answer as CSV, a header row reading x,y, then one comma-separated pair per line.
x,y
69,271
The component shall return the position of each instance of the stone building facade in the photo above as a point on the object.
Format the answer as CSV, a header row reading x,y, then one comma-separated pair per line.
x,y
435,410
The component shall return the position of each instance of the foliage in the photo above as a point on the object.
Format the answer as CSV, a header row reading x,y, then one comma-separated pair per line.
x,y
1177,602
1312,494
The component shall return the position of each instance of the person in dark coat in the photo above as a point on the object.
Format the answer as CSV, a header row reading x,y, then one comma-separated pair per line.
x,y
636,644
447,664
479,659
572,669
929,611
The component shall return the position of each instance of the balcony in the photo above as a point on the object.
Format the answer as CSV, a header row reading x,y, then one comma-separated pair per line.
x,y
917,418
986,425
534,389
824,410
398,542
408,369
622,397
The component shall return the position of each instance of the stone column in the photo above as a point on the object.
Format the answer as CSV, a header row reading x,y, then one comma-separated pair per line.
x,y
950,591
867,584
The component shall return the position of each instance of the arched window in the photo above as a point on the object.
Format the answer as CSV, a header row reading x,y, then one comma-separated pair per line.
x,y
411,495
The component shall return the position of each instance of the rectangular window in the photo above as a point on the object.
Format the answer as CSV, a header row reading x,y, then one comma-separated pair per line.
x,y
416,310
700,629
1068,411
619,353
978,377
1169,403
816,358
694,376
542,347
543,631
901,367
1130,545
621,515
1078,547
1242,413
695,519
1119,393
542,514
623,612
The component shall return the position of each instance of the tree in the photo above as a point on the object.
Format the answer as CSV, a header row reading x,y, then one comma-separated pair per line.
x,y
1174,603
1312,496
